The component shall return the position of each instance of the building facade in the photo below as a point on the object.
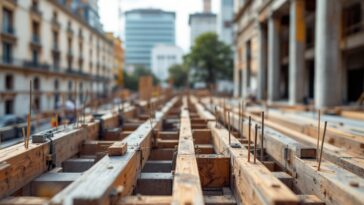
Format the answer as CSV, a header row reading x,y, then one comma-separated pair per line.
x,y
225,21
202,22
144,28
163,57
118,65
63,57
300,50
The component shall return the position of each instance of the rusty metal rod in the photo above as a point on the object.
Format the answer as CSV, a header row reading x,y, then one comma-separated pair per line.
x,y
255,143
322,146
250,121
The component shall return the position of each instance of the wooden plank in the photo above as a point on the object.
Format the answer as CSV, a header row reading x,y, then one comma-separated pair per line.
x,y
154,184
334,136
214,170
24,200
145,87
220,200
113,172
167,200
162,154
253,183
145,200
49,184
117,149
310,200
186,185
163,143
357,115
331,184
168,135
77,164
202,136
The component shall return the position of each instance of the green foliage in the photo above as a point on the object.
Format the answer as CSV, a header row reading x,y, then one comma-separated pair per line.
x,y
179,74
131,81
210,59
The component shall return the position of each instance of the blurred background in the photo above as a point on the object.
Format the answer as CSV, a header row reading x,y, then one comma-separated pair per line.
x,y
58,57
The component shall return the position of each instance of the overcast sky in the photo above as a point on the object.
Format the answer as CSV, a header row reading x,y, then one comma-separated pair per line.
x,y
109,14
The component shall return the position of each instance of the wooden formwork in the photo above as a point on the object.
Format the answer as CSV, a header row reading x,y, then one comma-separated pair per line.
x,y
180,151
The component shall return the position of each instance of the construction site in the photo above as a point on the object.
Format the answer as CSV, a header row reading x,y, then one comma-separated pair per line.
x,y
286,128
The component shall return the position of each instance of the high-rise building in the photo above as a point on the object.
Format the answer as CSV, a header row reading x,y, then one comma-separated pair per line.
x,y
54,49
202,22
163,57
145,28
225,19
89,11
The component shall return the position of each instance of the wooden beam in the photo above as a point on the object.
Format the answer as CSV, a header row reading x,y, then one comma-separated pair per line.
x,y
49,184
167,200
202,136
214,170
117,149
332,184
24,200
186,185
334,135
249,186
113,173
145,200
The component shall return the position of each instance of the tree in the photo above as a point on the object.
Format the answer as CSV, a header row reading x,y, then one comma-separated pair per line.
x,y
179,75
210,59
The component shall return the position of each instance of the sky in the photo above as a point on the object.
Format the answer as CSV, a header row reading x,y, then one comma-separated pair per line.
x,y
109,15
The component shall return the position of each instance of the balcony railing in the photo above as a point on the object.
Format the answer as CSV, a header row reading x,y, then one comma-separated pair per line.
x,y
35,10
35,65
35,39
55,23
355,28
8,30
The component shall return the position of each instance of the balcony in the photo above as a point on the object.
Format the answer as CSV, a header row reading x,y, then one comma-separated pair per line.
x,y
69,54
10,3
35,65
69,31
36,13
8,34
55,24
55,50
35,43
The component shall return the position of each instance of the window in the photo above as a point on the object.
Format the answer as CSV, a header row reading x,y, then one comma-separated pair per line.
x,y
7,21
70,85
35,29
9,82
55,40
7,52
353,19
34,4
56,85
35,56
37,104
9,107
36,84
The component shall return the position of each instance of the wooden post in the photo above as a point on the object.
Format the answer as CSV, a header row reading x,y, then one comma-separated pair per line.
x,y
239,118
56,120
255,143
249,142
322,146
318,134
229,128
29,115
216,118
262,138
